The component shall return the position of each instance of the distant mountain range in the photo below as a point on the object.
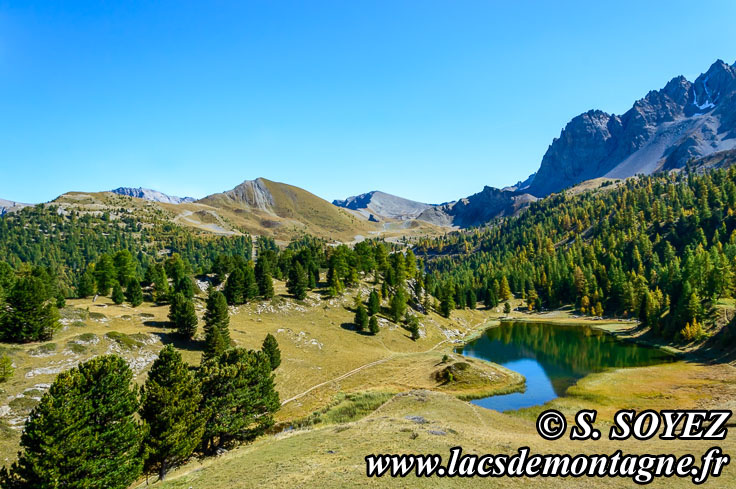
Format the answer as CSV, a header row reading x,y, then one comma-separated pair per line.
x,y
153,195
378,205
10,206
683,123
662,131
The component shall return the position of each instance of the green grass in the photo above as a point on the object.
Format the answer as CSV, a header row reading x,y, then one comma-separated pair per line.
x,y
129,342
347,407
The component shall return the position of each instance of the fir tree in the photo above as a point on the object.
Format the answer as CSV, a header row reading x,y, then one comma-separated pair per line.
x,y
373,325
86,286
117,294
298,282
216,325
170,405
83,433
28,315
504,289
271,349
251,286
397,306
160,285
361,318
104,274
234,289
238,396
374,303
134,293
265,285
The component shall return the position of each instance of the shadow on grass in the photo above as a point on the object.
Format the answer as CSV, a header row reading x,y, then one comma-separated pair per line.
x,y
179,342
354,328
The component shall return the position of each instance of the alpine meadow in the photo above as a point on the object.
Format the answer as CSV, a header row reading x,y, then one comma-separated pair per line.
x,y
576,328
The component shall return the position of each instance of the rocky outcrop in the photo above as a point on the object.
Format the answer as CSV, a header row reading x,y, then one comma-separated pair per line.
x,y
382,205
153,195
662,131
10,206
477,209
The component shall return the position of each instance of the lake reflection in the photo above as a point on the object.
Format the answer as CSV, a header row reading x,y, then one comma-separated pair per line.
x,y
553,357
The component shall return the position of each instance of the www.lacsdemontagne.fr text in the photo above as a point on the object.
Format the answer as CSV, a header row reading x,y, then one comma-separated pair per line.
x,y
642,469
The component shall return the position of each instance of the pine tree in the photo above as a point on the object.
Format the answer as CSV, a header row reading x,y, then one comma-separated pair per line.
x,y
160,285
505,291
170,405
238,396
216,325
397,306
271,349
506,308
361,318
373,325
185,285
133,293
83,433
117,294
265,285
374,303
125,266
28,315
86,286
251,286
104,274
234,289
298,282
183,315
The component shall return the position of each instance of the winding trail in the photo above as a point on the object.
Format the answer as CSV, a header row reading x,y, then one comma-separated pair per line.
x,y
356,370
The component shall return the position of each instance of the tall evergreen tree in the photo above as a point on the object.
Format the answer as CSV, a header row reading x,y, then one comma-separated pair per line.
x,y
216,325
125,266
298,281
134,293
170,405
117,293
238,396
28,314
83,434
86,285
361,318
265,285
272,351
374,303
251,285
183,315
397,305
373,325
104,274
234,289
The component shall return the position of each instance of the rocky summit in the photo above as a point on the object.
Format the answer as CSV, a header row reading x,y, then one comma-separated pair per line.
x,y
662,131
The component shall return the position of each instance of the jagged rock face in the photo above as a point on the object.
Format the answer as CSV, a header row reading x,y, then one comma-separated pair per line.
x,y
148,194
253,193
380,204
10,206
477,209
664,130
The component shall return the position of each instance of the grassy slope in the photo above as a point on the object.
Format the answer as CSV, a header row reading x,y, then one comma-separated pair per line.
x,y
319,348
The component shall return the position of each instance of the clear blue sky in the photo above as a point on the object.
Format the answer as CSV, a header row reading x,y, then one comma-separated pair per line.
x,y
429,100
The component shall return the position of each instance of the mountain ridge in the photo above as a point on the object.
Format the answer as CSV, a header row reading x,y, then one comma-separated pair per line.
x,y
375,204
152,195
662,131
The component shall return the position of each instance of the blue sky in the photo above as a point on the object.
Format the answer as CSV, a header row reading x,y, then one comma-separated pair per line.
x,y
425,99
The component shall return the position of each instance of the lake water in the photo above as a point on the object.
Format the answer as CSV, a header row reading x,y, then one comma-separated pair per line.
x,y
552,357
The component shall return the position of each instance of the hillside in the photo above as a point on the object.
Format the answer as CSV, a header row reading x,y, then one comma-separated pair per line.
x,y
662,131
